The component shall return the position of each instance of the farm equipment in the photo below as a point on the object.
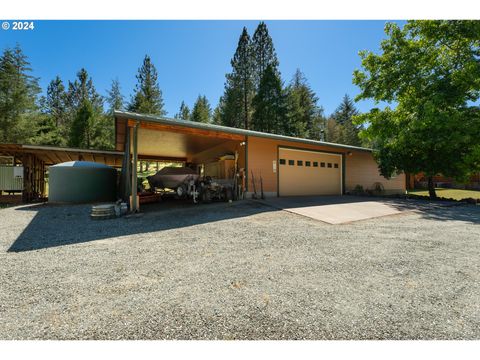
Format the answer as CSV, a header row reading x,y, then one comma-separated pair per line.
x,y
220,190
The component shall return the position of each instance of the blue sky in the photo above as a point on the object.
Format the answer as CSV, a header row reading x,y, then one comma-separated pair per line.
x,y
192,57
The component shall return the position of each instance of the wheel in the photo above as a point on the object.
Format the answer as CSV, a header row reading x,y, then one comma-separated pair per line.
x,y
181,191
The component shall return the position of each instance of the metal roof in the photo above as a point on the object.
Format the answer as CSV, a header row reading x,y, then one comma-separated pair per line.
x,y
55,155
226,129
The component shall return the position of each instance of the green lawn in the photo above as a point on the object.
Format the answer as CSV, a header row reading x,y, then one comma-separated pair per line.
x,y
456,194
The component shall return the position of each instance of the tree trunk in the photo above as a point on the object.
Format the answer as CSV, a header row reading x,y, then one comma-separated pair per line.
x,y
431,188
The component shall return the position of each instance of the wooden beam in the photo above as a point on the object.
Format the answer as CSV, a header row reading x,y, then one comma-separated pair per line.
x,y
161,158
68,155
134,134
187,130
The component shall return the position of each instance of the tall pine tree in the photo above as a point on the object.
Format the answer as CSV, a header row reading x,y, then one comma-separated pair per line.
x,y
53,125
81,132
82,90
183,112
302,108
18,97
115,99
264,54
343,115
86,113
148,96
201,112
269,104
240,86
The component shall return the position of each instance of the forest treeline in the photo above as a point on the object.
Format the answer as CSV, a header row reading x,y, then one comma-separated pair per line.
x,y
255,97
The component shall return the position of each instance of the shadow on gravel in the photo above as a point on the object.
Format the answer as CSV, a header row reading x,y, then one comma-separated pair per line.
x,y
58,225
467,213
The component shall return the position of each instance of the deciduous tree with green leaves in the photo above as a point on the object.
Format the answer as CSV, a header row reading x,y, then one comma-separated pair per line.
x,y
148,96
429,73
201,112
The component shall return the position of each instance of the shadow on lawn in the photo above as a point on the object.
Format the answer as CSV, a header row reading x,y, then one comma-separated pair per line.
x,y
57,225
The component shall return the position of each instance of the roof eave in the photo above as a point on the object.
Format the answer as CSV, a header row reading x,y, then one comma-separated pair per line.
x,y
226,129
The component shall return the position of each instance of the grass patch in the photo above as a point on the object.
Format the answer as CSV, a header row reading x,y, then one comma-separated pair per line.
x,y
457,194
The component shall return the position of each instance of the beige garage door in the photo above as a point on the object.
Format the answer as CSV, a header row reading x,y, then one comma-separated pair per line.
x,y
303,172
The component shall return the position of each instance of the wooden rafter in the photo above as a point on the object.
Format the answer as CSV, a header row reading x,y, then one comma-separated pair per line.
x,y
187,130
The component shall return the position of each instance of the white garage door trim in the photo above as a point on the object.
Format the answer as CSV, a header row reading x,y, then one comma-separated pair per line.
x,y
340,156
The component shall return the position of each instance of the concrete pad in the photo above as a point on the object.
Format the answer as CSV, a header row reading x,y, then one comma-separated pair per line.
x,y
339,210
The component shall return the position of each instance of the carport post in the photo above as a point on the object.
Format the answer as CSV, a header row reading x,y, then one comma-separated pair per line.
x,y
134,132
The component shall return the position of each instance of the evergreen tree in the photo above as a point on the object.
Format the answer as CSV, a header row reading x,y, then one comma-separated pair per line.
x,y
344,115
18,97
239,85
217,113
53,124
115,99
318,130
334,132
82,126
103,129
202,111
264,54
47,133
231,107
183,112
82,90
269,104
302,107
88,127
102,132
148,96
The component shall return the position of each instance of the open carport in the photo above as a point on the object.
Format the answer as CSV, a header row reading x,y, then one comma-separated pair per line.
x,y
174,141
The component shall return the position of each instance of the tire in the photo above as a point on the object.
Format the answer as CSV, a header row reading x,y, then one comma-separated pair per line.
x,y
181,192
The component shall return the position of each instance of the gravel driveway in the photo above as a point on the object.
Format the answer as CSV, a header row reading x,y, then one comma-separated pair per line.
x,y
238,271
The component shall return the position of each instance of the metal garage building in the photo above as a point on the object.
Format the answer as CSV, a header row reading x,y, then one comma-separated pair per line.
x,y
287,165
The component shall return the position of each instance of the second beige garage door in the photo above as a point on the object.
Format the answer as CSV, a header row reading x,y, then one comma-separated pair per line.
x,y
303,172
